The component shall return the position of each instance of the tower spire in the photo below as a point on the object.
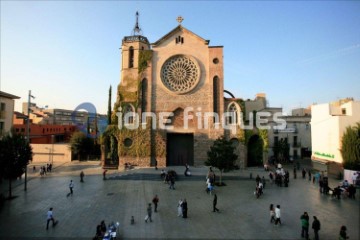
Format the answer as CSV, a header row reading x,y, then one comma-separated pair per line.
x,y
137,29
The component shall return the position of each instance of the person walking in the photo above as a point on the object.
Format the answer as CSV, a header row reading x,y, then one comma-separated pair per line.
x,y
82,176
71,186
342,234
214,204
272,213
155,202
50,217
180,208
172,182
184,208
305,225
104,174
316,227
309,174
149,212
277,215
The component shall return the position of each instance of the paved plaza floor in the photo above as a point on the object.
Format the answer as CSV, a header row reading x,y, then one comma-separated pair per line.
x,y
127,193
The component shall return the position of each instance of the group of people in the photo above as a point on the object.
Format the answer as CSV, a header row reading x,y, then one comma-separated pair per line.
x,y
103,232
275,214
169,178
44,169
210,181
182,208
305,223
260,185
280,176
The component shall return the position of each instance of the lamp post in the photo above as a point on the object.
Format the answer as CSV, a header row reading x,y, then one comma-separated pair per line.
x,y
28,133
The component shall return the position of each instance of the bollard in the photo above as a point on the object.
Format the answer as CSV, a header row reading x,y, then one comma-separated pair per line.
x,y
250,175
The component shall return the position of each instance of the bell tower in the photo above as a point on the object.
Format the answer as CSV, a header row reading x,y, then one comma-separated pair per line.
x,y
131,46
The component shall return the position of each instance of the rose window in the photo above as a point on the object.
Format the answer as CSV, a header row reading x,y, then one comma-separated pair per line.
x,y
180,74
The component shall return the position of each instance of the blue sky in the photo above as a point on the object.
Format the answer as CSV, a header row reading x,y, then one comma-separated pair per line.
x,y
67,52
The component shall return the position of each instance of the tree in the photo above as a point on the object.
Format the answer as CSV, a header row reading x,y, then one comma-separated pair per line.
x,y
81,145
15,154
281,151
350,150
109,107
222,156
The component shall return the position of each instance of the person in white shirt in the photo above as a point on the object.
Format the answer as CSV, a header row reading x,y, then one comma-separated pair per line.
x,y
49,218
71,186
277,215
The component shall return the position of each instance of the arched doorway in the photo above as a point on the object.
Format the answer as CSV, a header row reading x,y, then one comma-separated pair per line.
x,y
255,151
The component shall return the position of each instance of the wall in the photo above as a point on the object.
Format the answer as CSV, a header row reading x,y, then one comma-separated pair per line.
x,y
6,116
47,153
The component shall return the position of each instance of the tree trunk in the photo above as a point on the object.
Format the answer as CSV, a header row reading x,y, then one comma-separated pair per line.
x,y
10,192
220,182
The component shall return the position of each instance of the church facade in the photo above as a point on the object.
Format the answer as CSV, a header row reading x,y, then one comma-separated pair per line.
x,y
170,101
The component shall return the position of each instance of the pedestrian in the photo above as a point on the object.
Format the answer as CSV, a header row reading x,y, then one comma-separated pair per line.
x,y
342,234
214,204
82,176
155,202
309,174
156,168
149,212
294,172
34,168
316,227
180,208
104,174
172,182
277,215
305,225
184,208
272,213
263,182
50,217
303,173
71,186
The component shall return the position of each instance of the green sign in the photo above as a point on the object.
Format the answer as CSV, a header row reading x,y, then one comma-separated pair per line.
x,y
327,155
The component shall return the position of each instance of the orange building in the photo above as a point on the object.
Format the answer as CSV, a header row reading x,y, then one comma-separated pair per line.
x,y
45,133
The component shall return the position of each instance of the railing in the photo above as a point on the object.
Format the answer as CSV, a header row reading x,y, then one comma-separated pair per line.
x,y
135,38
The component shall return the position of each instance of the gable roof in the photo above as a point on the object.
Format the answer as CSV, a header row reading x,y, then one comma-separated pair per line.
x,y
178,28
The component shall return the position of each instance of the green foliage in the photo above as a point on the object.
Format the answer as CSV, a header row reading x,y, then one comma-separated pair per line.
x,y
81,145
263,133
281,150
15,154
222,156
144,57
350,150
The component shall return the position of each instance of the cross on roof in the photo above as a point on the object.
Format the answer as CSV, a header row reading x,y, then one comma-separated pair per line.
x,y
179,19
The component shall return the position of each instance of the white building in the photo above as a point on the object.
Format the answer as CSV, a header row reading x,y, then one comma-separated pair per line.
x,y
328,123
7,102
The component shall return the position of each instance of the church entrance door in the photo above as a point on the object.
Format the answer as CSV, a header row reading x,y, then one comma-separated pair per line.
x,y
180,149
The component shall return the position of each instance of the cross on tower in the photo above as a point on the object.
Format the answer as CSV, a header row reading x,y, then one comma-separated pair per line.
x,y
179,19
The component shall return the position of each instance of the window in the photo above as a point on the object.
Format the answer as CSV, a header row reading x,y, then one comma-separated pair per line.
x,y
233,118
129,118
343,111
216,95
131,57
276,140
215,60
179,39
2,108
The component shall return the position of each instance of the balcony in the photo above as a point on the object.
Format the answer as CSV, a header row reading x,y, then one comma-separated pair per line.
x,y
286,130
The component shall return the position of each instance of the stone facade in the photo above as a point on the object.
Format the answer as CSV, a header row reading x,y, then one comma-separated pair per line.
x,y
179,79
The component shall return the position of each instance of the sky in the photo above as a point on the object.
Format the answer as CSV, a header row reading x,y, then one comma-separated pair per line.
x,y
67,52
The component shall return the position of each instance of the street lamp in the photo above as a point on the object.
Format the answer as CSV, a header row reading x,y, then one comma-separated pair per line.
x,y
28,133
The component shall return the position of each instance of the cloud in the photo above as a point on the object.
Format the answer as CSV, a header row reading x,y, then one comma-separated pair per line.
x,y
334,54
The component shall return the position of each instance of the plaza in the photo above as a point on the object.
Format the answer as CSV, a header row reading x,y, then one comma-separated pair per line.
x,y
127,193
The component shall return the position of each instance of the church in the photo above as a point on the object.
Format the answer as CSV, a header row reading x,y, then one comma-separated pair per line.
x,y
170,103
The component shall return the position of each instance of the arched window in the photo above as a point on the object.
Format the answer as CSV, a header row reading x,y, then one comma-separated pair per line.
x,y
234,114
216,94
129,118
131,57
143,95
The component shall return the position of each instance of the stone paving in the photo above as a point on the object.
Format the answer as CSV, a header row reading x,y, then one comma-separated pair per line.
x,y
127,193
